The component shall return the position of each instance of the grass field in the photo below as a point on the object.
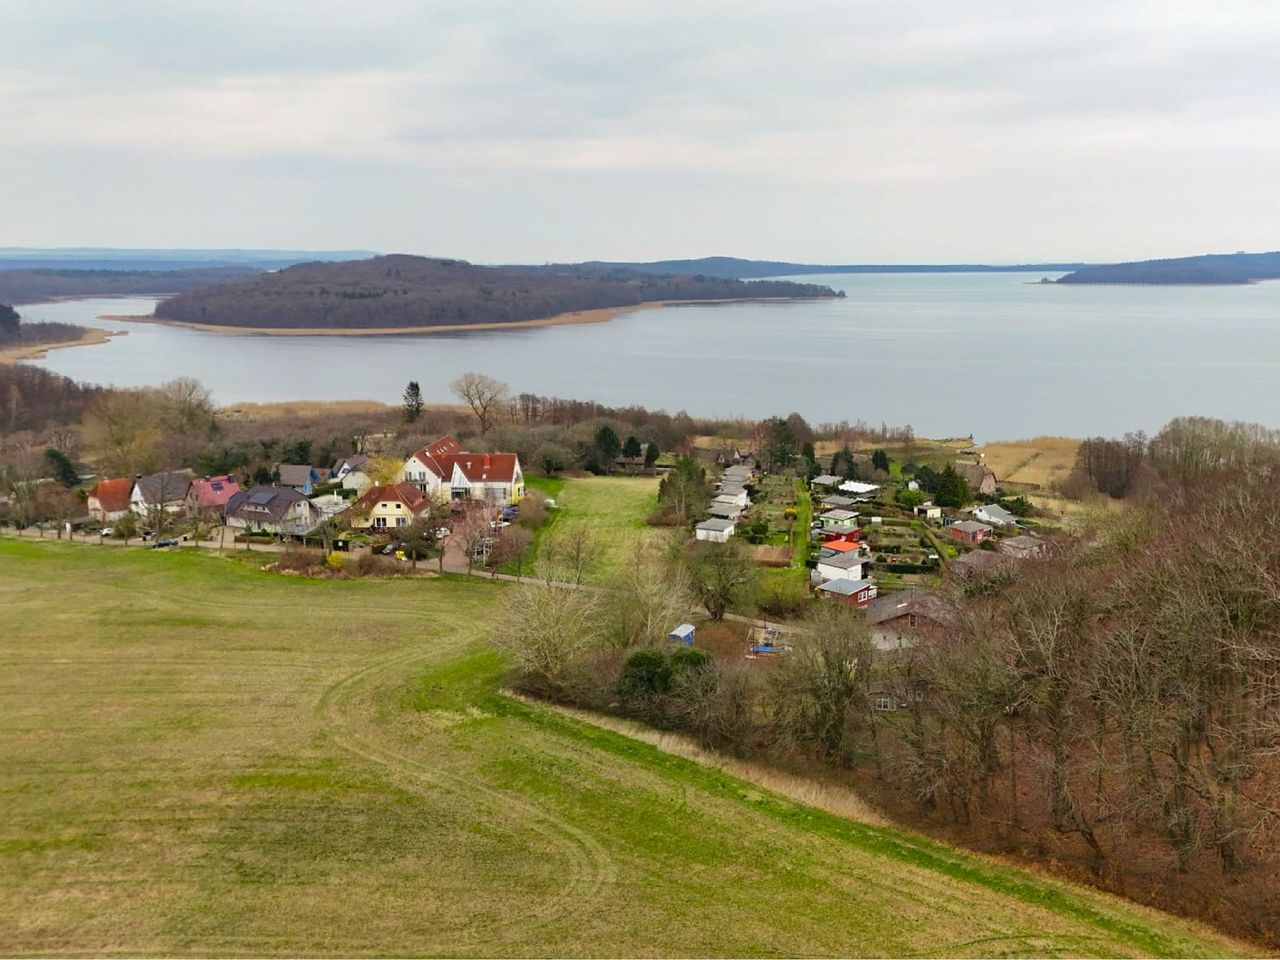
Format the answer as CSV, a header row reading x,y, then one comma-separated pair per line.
x,y
1043,460
612,508
198,757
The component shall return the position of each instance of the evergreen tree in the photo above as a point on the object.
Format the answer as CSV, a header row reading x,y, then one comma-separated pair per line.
x,y
952,490
411,411
880,460
632,449
780,443
607,447
63,469
651,454
8,322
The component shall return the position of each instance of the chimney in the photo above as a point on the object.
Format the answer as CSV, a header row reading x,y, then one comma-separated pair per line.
x,y
486,463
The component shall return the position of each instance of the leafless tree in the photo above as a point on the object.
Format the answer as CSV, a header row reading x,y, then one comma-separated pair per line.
x,y
484,395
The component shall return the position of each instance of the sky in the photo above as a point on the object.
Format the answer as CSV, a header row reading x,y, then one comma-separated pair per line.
x,y
552,131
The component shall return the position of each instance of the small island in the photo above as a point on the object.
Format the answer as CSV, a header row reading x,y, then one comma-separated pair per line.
x,y
30,341
409,294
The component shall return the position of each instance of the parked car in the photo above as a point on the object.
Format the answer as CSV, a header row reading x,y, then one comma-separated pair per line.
x,y
164,542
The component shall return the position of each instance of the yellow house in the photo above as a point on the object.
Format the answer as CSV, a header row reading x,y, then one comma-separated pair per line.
x,y
388,506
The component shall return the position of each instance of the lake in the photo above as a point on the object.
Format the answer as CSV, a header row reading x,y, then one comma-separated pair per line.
x,y
992,354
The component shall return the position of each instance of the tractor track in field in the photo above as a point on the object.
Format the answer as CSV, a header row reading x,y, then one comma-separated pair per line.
x,y
589,867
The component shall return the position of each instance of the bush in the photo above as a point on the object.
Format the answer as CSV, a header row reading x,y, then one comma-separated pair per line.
x,y
645,674
688,659
782,598
298,561
372,565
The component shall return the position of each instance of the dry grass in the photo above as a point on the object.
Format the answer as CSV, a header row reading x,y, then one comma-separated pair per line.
x,y
301,408
1044,461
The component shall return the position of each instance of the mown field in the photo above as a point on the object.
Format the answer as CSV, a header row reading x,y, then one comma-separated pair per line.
x,y
198,757
612,509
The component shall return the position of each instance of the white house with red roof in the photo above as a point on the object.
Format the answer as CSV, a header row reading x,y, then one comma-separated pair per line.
x,y
109,499
442,470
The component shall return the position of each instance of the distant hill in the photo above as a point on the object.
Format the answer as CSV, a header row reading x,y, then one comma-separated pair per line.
x,y
739,269
408,291
1210,268
107,258
31,286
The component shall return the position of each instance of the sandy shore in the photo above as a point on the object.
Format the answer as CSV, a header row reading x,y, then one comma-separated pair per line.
x,y
38,351
601,315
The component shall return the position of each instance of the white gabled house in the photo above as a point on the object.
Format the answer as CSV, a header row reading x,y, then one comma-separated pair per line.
x,y
442,470
715,530
430,469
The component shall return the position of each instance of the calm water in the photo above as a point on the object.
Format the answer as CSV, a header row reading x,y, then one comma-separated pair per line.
x,y
950,354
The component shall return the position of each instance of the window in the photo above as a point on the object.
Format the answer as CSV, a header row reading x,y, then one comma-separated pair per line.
x,y
380,522
884,703
399,521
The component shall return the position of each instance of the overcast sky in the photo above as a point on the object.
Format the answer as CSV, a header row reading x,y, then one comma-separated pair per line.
x,y
538,130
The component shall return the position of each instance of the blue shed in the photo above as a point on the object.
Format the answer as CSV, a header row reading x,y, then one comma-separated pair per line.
x,y
682,634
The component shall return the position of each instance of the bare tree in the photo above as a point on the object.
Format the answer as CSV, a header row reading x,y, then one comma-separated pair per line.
x,y
573,552
472,533
512,547
484,395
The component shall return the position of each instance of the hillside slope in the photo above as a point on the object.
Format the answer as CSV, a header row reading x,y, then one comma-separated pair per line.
x,y
738,268
408,291
1210,268
199,763
32,286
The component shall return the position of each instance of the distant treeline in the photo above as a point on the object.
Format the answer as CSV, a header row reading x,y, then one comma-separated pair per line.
x,y
1211,268
13,332
30,286
408,291
738,268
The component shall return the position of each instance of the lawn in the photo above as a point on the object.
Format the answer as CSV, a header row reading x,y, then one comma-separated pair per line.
x,y
200,758
613,509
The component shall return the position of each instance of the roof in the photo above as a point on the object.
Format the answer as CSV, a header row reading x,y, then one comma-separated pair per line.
x,y
113,494
841,546
979,562
406,493
971,526
836,500
825,480
997,511
214,491
724,510
438,456
843,561
684,630
741,471
353,462
845,588
973,473
157,488
887,606
1023,541
715,526
264,504
857,486
724,498
487,467
839,515
296,474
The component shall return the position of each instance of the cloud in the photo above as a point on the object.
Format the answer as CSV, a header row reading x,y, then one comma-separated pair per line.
x,y
852,130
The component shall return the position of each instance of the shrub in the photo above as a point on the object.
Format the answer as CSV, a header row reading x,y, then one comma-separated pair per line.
x,y
688,659
645,673
372,565
299,561
782,598
335,561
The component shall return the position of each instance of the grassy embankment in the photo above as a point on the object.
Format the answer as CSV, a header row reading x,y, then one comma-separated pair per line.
x,y
202,758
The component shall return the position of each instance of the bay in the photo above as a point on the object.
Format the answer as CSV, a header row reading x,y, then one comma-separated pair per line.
x,y
992,355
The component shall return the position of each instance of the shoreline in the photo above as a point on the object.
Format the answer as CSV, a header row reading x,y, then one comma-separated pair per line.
x,y
596,315
38,351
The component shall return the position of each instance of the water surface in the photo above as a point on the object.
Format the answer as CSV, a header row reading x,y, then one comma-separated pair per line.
x,y
994,355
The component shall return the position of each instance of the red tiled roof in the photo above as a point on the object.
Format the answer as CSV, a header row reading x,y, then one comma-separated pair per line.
x,y
487,467
438,456
113,494
214,491
407,493
443,447
841,546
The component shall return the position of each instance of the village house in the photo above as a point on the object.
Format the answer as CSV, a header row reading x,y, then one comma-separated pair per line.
x,y
444,471
495,478
389,506
860,491
838,501
994,514
160,492
928,511
847,544
725,511
978,476
979,564
1024,547
348,465
734,494
714,530
839,520
208,496
899,619
109,499
970,531
278,510
855,593
300,476
850,565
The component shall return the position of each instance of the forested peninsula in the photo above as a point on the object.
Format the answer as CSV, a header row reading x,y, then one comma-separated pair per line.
x,y
1210,268
33,286
409,292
